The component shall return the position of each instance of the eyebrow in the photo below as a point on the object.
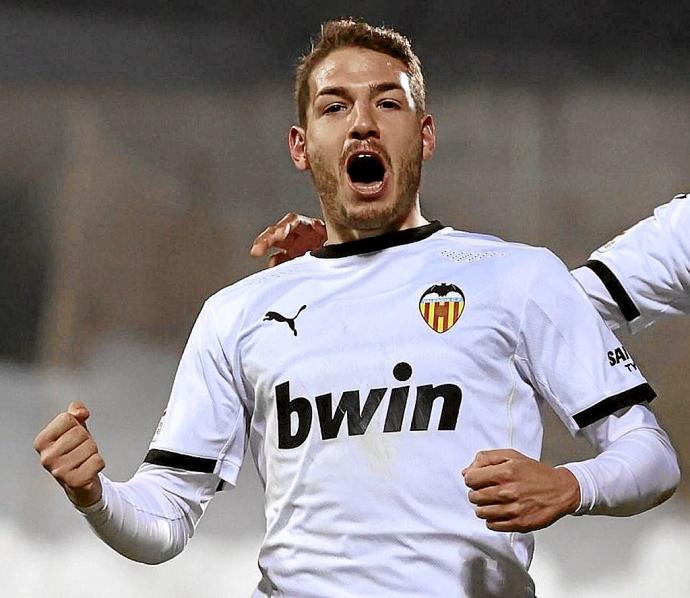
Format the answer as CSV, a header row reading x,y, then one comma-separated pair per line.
x,y
374,89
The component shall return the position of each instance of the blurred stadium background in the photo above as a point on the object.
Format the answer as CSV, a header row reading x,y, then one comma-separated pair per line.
x,y
142,146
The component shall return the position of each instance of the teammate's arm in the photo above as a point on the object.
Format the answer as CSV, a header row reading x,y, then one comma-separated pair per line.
x,y
643,275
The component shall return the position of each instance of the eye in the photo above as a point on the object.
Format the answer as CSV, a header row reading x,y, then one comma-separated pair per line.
x,y
333,108
388,104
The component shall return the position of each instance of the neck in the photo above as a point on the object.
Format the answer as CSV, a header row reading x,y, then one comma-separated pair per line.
x,y
342,233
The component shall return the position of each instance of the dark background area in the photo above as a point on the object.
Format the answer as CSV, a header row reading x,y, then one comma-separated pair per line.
x,y
224,44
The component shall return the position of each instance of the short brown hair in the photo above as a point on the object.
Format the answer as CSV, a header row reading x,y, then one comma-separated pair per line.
x,y
348,33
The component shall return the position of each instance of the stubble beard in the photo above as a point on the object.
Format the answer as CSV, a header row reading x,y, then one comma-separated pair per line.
x,y
367,216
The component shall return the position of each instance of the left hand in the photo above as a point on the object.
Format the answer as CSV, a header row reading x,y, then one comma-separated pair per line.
x,y
517,494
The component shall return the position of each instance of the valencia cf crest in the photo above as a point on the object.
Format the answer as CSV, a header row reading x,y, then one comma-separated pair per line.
x,y
441,306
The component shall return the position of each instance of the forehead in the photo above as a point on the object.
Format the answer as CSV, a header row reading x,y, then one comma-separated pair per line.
x,y
354,67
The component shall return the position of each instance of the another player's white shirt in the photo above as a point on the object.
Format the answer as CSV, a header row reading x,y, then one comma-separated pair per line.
x,y
643,275
361,406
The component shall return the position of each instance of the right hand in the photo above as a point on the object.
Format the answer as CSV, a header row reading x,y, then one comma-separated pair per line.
x,y
292,236
71,456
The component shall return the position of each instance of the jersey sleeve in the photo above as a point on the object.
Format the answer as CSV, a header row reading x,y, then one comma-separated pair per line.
x,y
636,467
643,275
203,428
569,355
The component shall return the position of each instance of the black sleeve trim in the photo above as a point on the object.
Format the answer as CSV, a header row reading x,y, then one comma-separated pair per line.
x,y
615,289
639,394
179,461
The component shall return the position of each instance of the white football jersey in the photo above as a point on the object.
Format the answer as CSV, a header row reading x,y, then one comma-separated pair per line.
x,y
365,376
643,275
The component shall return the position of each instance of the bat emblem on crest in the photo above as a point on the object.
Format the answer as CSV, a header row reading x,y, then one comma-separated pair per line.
x,y
441,306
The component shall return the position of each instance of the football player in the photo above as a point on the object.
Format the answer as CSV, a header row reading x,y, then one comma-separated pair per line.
x,y
389,384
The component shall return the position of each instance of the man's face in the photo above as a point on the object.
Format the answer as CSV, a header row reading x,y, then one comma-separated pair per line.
x,y
364,141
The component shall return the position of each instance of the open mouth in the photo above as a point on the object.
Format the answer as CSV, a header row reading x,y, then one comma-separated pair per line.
x,y
366,173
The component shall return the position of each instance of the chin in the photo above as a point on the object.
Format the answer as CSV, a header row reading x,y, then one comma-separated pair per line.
x,y
375,215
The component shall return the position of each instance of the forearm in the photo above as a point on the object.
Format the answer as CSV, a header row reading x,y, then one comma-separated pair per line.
x,y
151,517
635,472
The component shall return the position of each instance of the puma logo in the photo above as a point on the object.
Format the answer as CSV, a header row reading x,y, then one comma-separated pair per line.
x,y
274,315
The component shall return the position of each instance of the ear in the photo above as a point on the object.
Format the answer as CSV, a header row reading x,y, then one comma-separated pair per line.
x,y
428,136
297,141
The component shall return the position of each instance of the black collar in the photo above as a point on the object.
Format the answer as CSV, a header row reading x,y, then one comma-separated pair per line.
x,y
369,244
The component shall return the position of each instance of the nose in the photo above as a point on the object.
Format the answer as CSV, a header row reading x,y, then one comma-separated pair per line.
x,y
364,125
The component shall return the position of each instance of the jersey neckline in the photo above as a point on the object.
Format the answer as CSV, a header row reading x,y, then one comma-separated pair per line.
x,y
384,241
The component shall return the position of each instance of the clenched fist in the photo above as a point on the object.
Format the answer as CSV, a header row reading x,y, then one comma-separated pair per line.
x,y
514,493
71,456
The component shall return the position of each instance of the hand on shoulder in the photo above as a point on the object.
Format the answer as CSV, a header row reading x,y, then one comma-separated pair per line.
x,y
292,236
